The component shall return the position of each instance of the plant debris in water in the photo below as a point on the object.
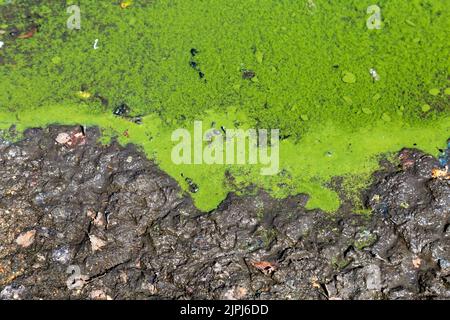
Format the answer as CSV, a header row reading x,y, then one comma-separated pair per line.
x,y
298,66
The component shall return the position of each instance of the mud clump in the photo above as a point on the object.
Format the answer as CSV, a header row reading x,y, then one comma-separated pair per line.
x,y
103,222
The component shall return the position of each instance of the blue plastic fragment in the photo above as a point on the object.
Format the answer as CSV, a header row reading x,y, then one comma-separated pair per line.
x,y
444,158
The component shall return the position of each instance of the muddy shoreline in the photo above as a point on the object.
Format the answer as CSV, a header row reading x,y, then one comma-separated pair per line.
x,y
85,221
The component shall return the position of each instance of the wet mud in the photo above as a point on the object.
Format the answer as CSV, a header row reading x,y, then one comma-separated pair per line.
x,y
81,220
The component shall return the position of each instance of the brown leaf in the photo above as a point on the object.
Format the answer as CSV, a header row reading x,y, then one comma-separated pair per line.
x,y
28,34
264,266
72,139
440,174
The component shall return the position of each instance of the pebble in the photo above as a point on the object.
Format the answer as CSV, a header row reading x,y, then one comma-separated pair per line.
x,y
63,138
11,292
61,255
417,262
444,264
97,243
26,239
99,295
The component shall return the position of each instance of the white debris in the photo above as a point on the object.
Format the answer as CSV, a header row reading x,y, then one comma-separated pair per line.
x,y
1,44
99,295
97,243
72,139
417,262
374,74
76,281
235,293
63,138
151,288
12,293
98,218
26,239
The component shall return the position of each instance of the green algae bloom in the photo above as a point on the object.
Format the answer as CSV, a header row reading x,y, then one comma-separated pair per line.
x,y
426,108
434,92
311,81
348,77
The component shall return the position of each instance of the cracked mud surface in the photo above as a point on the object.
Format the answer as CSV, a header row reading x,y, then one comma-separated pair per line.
x,y
102,222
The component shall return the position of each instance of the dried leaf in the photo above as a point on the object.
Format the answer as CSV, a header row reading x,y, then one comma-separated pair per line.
x,y
440,174
264,266
28,34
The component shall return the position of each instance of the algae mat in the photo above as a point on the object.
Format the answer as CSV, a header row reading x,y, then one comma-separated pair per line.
x,y
340,92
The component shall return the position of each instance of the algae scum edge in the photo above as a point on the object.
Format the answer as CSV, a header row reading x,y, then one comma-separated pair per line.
x,y
306,70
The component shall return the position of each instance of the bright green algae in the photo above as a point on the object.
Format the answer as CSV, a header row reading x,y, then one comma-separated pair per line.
x,y
302,56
